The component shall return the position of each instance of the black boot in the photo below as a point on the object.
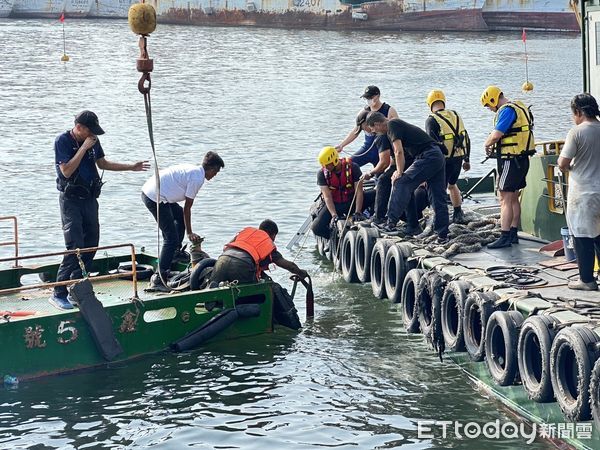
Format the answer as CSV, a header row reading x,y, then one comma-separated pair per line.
x,y
503,241
514,237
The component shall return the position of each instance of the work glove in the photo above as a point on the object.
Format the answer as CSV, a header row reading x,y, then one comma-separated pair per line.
x,y
358,217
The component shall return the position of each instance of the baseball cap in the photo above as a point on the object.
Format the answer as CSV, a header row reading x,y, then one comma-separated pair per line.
x,y
371,91
360,119
90,120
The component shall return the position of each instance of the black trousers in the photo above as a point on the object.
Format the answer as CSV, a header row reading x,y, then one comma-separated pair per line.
x,y
171,225
81,229
320,225
587,249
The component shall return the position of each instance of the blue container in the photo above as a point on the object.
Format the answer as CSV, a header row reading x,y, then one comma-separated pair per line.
x,y
568,244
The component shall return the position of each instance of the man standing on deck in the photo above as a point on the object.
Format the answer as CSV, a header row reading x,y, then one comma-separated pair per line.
x,y
367,153
78,155
179,183
428,166
511,142
447,128
341,187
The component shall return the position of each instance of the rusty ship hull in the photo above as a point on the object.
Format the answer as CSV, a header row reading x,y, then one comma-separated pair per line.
x,y
314,14
553,15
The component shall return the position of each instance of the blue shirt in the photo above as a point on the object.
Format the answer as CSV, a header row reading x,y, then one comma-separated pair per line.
x,y
506,118
65,147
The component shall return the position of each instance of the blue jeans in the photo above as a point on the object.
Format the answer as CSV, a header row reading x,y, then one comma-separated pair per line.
x,y
366,154
172,227
428,166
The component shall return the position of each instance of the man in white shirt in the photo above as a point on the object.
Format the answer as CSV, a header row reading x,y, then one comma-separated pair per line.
x,y
177,184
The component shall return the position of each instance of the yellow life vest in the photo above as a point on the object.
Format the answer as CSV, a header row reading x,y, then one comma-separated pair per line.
x,y
518,140
452,131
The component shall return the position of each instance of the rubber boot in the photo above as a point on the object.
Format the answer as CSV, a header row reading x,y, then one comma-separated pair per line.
x,y
514,237
503,241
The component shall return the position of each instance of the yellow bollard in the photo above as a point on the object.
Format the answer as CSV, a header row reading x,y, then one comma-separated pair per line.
x,y
142,18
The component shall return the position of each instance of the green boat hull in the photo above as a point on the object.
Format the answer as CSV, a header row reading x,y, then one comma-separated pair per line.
x,y
54,341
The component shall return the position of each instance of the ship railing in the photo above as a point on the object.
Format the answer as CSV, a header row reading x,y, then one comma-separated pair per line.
x,y
77,252
555,180
15,240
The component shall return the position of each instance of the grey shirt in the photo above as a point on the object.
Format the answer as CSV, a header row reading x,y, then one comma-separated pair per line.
x,y
582,145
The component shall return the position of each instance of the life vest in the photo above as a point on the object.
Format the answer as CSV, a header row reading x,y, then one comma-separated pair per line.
x,y
341,185
257,243
518,140
452,131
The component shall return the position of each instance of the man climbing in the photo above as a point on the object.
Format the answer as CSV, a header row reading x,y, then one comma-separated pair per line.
x,y
249,254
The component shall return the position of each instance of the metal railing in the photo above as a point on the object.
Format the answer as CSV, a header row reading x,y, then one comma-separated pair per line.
x,y
77,252
15,240
551,147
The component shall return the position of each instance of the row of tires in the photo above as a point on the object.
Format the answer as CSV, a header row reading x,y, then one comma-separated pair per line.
x,y
553,362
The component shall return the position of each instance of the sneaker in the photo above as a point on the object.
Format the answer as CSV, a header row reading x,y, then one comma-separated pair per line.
x,y
503,241
388,228
441,240
411,231
581,286
72,300
156,284
60,302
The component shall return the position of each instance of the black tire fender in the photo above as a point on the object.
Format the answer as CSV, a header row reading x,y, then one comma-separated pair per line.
x,y
452,312
533,355
143,271
572,358
429,297
396,268
380,250
365,241
348,257
479,306
410,306
595,394
199,271
501,340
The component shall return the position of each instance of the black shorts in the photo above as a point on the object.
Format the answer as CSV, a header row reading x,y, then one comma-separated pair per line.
x,y
453,168
512,173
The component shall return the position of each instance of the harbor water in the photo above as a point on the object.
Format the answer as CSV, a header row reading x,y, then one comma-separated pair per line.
x,y
267,101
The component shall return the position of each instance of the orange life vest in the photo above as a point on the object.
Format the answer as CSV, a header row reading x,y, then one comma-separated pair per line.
x,y
257,243
341,185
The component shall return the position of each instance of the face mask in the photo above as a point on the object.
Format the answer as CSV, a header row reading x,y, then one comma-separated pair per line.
x,y
370,102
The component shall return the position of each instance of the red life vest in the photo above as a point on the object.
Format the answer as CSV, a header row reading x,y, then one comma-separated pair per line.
x,y
257,243
341,185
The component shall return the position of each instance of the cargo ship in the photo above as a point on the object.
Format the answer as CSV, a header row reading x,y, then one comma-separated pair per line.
x,y
383,15
6,7
50,9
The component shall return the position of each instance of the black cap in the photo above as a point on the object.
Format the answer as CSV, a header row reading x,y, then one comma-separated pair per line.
x,y
360,119
371,91
90,120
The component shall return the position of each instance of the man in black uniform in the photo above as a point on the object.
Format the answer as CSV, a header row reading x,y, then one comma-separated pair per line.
x,y
428,166
77,153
